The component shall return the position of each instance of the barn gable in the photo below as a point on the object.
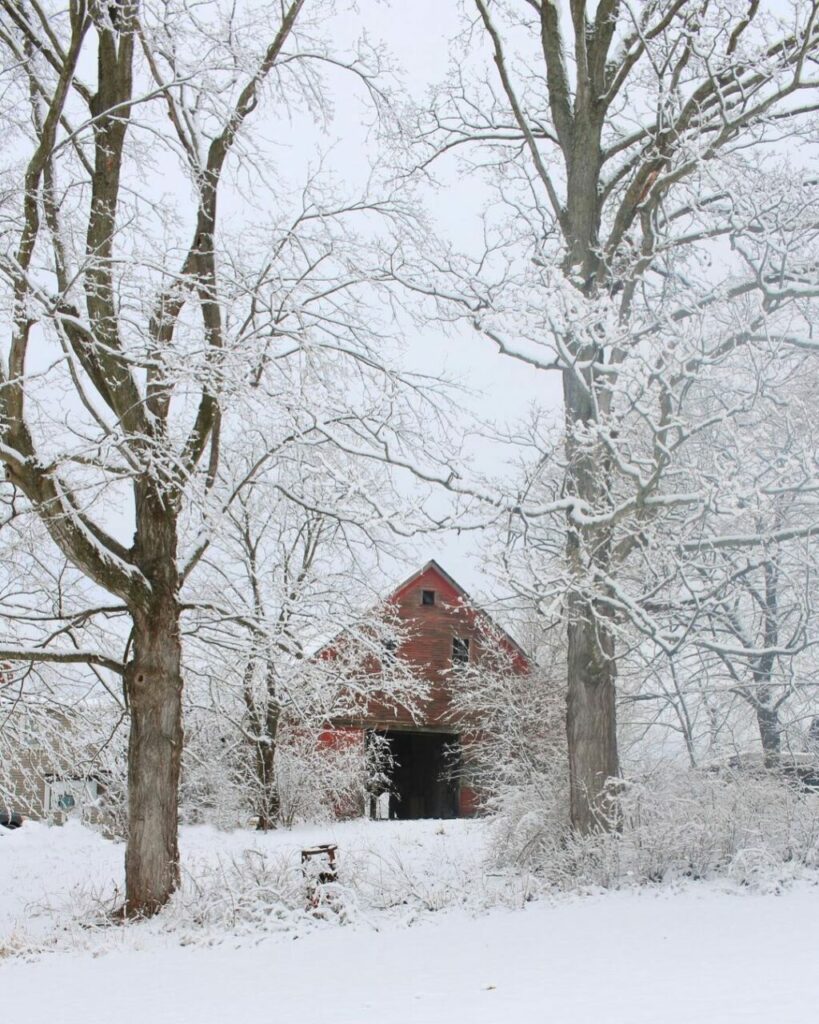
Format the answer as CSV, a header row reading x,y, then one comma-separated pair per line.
x,y
456,603
443,632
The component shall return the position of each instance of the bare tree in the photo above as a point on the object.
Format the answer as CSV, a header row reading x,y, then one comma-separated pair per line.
x,y
285,575
640,241
739,619
170,300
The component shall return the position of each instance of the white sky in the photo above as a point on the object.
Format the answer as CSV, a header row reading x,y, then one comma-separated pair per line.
x,y
419,35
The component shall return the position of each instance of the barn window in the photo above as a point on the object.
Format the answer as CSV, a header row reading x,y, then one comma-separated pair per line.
x,y
460,650
427,597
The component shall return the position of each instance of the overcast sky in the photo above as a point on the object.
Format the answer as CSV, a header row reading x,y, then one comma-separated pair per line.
x,y
419,37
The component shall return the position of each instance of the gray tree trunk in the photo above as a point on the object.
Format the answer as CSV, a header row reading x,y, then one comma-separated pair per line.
x,y
269,803
590,716
765,703
770,733
154,687
591,724
154,682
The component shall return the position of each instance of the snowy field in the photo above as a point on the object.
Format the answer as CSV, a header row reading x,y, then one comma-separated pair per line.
x,y
421,933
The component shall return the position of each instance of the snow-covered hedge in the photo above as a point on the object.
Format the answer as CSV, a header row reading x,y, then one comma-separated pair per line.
x,y
673,824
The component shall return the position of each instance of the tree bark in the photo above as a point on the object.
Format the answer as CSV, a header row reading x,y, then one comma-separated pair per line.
x,y
765,705
263,716
154,685
770,733
590,716
153,681
591,722
269,804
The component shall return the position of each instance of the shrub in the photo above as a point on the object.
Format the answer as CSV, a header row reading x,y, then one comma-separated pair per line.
x,y
673,824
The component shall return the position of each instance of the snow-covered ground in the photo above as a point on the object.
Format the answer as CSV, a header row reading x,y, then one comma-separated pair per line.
x,y
702,952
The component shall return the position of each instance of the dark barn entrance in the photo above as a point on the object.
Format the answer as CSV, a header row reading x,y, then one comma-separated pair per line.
x,y
422,783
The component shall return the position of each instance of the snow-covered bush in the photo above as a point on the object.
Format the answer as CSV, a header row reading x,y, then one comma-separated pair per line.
x,y
674,824
328,776
513,722
62,887
320,775
212,790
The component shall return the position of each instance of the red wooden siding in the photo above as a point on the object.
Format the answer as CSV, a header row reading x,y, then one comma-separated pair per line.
x,y
428,648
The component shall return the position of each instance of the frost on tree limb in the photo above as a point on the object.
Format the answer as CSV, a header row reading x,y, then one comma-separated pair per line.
x,y
278,582
647,240
172,306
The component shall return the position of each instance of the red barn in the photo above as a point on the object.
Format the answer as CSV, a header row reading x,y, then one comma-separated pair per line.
x,y
443,633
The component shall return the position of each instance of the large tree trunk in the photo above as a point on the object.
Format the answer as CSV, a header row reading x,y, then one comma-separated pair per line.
x,y
590,716
591,726
154,681
154,686
767,712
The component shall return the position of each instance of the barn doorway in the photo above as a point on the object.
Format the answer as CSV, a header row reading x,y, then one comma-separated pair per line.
x,y
423,776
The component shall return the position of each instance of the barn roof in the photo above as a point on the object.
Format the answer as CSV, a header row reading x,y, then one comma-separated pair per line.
x,y
435,567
